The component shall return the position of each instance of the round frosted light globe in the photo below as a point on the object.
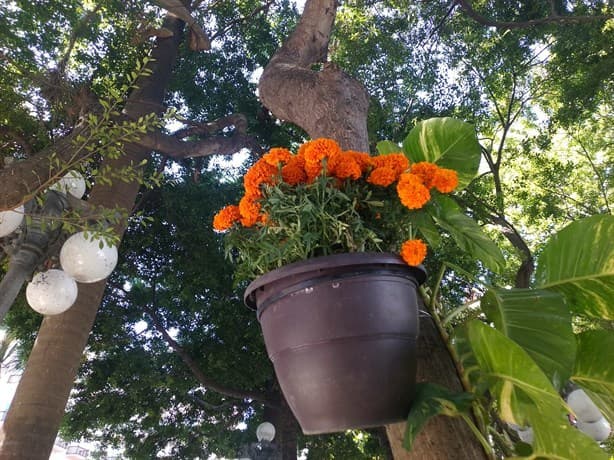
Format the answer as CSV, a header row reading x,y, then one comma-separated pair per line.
x,y
599,430
583,407
84,259
265,432
10,220
72,182
51,292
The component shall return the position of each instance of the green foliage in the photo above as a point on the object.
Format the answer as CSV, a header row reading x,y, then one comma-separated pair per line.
x,y
448,142
579,262
594,373
431,400
525,396
540,322
318,219
465,231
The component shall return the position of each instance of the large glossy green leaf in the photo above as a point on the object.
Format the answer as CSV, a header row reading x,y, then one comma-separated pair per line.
x,y
449,142
594,369
465,231
386,147
538,321
525,396
579,262
431,400
426,226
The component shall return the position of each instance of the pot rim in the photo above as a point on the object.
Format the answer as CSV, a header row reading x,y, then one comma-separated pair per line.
x,y
323,262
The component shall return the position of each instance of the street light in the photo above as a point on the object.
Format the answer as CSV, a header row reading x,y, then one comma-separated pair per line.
x,y
264,449
51,292
10,220
584,408
72,182
87,259
599,430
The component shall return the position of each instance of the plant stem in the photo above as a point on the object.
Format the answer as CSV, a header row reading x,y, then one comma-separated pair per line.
x,y
478,434
457,311
433,307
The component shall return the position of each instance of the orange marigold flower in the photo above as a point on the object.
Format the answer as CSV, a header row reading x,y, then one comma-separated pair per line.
x,y
425,171
343,167
445,180
312,171
249,210
260,173
277,155
413,252
227,216
293,174
364,160
383,176
396,161
412,192
321,148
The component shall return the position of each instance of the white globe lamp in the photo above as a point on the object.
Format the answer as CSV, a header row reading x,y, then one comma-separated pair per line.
x,y
599,430
87,260
10,220
265,432
51,292
584,408
72,182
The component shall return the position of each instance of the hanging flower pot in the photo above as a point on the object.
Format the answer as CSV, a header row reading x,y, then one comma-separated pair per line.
x,y
341,332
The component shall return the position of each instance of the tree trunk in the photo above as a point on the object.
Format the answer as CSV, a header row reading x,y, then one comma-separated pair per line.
x,y
443,437
329,103
35,414
286,428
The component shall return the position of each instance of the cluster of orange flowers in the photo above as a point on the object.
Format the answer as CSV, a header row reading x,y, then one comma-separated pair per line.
x,y
413,182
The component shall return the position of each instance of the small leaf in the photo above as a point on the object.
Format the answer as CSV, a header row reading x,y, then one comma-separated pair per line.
x,y
431,400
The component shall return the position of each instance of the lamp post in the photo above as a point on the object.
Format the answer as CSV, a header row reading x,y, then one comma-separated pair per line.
x,y
31,249
265,448
84,259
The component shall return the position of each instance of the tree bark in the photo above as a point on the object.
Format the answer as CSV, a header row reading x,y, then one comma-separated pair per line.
x,y
443,437
325,103
286,428
329,103
35,414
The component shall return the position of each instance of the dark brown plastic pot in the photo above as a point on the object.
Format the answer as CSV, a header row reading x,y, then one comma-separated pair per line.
x,y
341,332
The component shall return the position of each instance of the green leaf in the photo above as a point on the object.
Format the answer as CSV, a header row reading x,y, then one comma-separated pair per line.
x,y
538,321
579,263
431,400
424,223
525,396
465,231
449,142
594,371
386,147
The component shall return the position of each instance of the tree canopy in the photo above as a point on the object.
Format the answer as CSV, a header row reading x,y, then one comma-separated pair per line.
x,y
535,78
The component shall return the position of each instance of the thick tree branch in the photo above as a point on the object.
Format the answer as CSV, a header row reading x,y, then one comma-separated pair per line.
x,y
216,145
203,379
238,120
198,39
467,6
326,102
17,138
